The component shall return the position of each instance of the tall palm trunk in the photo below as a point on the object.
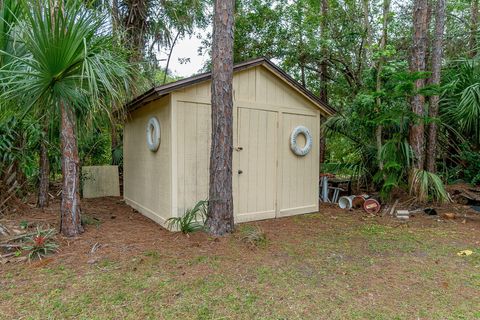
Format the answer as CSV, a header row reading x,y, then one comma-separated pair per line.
x,y
44,173
417,128
220,206
70,224
435,79
136,25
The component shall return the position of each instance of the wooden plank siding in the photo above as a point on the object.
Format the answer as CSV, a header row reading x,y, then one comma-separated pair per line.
x,y
264,101
147,175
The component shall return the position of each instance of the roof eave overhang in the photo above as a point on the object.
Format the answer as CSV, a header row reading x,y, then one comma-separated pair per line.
x,y
159,92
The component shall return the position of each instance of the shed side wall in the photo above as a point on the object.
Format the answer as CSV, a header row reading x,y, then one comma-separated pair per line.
x,y
147,175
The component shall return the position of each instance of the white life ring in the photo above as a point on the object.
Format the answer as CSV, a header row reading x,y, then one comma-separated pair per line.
x,y
308,141
153,134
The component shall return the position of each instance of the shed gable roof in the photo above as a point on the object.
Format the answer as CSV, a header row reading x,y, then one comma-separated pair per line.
x,y
160,91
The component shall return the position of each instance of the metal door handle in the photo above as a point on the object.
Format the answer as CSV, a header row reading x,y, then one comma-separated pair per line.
x,y
240,171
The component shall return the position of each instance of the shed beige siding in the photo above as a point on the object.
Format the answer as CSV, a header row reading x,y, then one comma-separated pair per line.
x,y
147,175
193,136
274,182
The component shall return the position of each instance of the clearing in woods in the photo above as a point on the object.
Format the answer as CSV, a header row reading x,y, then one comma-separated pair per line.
x,y
330,265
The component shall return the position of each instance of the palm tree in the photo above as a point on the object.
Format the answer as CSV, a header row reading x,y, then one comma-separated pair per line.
x,y
68,69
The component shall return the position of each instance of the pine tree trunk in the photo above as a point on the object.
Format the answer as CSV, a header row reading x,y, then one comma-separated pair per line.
x,y
473,28
381,62
44,173
70,222
220,206
435,79
417,128
323,67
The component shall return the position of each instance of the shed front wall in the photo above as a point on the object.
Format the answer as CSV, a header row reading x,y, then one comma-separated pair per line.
x,y
147,174
264,100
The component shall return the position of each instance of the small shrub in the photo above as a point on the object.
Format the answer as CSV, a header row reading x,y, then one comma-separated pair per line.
x,y
427,186
193,219
253,236
23,224
41,244
89,220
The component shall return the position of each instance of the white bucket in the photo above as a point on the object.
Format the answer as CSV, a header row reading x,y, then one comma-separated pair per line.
x,y
345,202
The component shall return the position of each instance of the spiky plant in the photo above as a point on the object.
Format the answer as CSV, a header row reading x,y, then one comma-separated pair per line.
x,y
41,244
427,186
193,219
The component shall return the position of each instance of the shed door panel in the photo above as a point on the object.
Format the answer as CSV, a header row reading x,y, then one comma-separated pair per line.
x,y
299,183
257,161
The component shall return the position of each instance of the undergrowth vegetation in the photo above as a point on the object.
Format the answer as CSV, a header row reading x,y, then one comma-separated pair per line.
x,y
192,220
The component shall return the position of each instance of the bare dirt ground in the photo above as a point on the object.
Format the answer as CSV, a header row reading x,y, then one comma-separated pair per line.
x,y
329,265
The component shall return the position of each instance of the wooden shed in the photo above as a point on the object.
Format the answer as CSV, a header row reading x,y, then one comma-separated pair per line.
x,y
164,177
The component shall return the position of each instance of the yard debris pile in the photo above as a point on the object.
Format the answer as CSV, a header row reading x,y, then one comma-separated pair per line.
x,y
465,194
465,205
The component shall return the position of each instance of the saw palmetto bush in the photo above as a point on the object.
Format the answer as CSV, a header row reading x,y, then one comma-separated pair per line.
x,y
427,186
460,104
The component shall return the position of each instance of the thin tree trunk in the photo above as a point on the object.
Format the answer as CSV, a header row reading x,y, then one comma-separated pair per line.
x,y
70,223
473,28
302,74
169,56
437,55
44,172
220,206
368,28
323,67
417,128
378,87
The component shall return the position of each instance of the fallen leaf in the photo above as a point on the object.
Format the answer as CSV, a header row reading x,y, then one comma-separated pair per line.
x,y
464,253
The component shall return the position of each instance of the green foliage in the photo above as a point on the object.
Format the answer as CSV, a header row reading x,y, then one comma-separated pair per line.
x,y
427,186
41,244
94,147
461,98
253,236
89,220
396,156
468,168
192,220
17,140
388,167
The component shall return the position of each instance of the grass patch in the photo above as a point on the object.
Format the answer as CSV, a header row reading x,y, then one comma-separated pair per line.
x,y
367,271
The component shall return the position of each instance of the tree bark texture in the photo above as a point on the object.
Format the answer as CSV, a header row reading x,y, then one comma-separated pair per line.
x,y
417,64
44,172
70,222
378,87
323,67
368,28
135,26
220,207
437,55
473,28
